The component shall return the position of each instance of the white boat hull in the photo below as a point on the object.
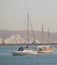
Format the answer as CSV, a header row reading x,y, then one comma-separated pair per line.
x,y
24,52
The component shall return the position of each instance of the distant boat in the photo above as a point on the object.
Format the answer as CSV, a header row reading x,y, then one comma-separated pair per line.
x,y
24,51
44,48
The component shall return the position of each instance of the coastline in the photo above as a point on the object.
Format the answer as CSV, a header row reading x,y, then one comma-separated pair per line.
x,y
28,44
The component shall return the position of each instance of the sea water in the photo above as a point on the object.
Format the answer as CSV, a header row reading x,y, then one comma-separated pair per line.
x,y
6,57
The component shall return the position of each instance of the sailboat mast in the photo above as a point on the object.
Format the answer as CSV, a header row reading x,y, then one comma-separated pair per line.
x,y
27,27
42,35
48,36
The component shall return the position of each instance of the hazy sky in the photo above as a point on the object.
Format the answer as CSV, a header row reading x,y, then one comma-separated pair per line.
x,y
13,14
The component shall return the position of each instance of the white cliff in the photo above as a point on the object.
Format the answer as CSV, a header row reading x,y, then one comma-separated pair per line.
x,y
14,39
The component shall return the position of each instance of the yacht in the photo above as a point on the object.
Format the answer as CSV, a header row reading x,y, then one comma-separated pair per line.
x,y
21,50
44,48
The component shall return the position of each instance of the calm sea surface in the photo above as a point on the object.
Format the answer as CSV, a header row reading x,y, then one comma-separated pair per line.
x,y
6,57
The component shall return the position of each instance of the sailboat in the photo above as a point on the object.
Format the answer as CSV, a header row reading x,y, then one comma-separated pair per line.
x,y
44,48
24,51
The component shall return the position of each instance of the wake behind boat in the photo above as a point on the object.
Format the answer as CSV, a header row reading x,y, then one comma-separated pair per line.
x,y
21,51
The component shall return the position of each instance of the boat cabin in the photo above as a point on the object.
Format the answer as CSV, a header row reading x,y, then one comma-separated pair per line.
x,y
21,49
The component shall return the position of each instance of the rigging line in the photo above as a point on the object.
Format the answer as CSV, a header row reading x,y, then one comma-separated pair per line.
x,y
32,30
29,21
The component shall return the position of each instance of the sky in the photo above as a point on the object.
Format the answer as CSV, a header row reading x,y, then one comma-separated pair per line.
x,y
13,14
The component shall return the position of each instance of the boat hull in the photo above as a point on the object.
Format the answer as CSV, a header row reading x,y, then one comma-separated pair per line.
x,y
25,52
50,51
18,54
44,49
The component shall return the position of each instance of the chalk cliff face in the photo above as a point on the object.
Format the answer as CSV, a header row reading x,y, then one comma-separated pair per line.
x,y
10,37
14,39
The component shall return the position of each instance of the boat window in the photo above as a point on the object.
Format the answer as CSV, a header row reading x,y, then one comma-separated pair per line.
x,y
40,49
